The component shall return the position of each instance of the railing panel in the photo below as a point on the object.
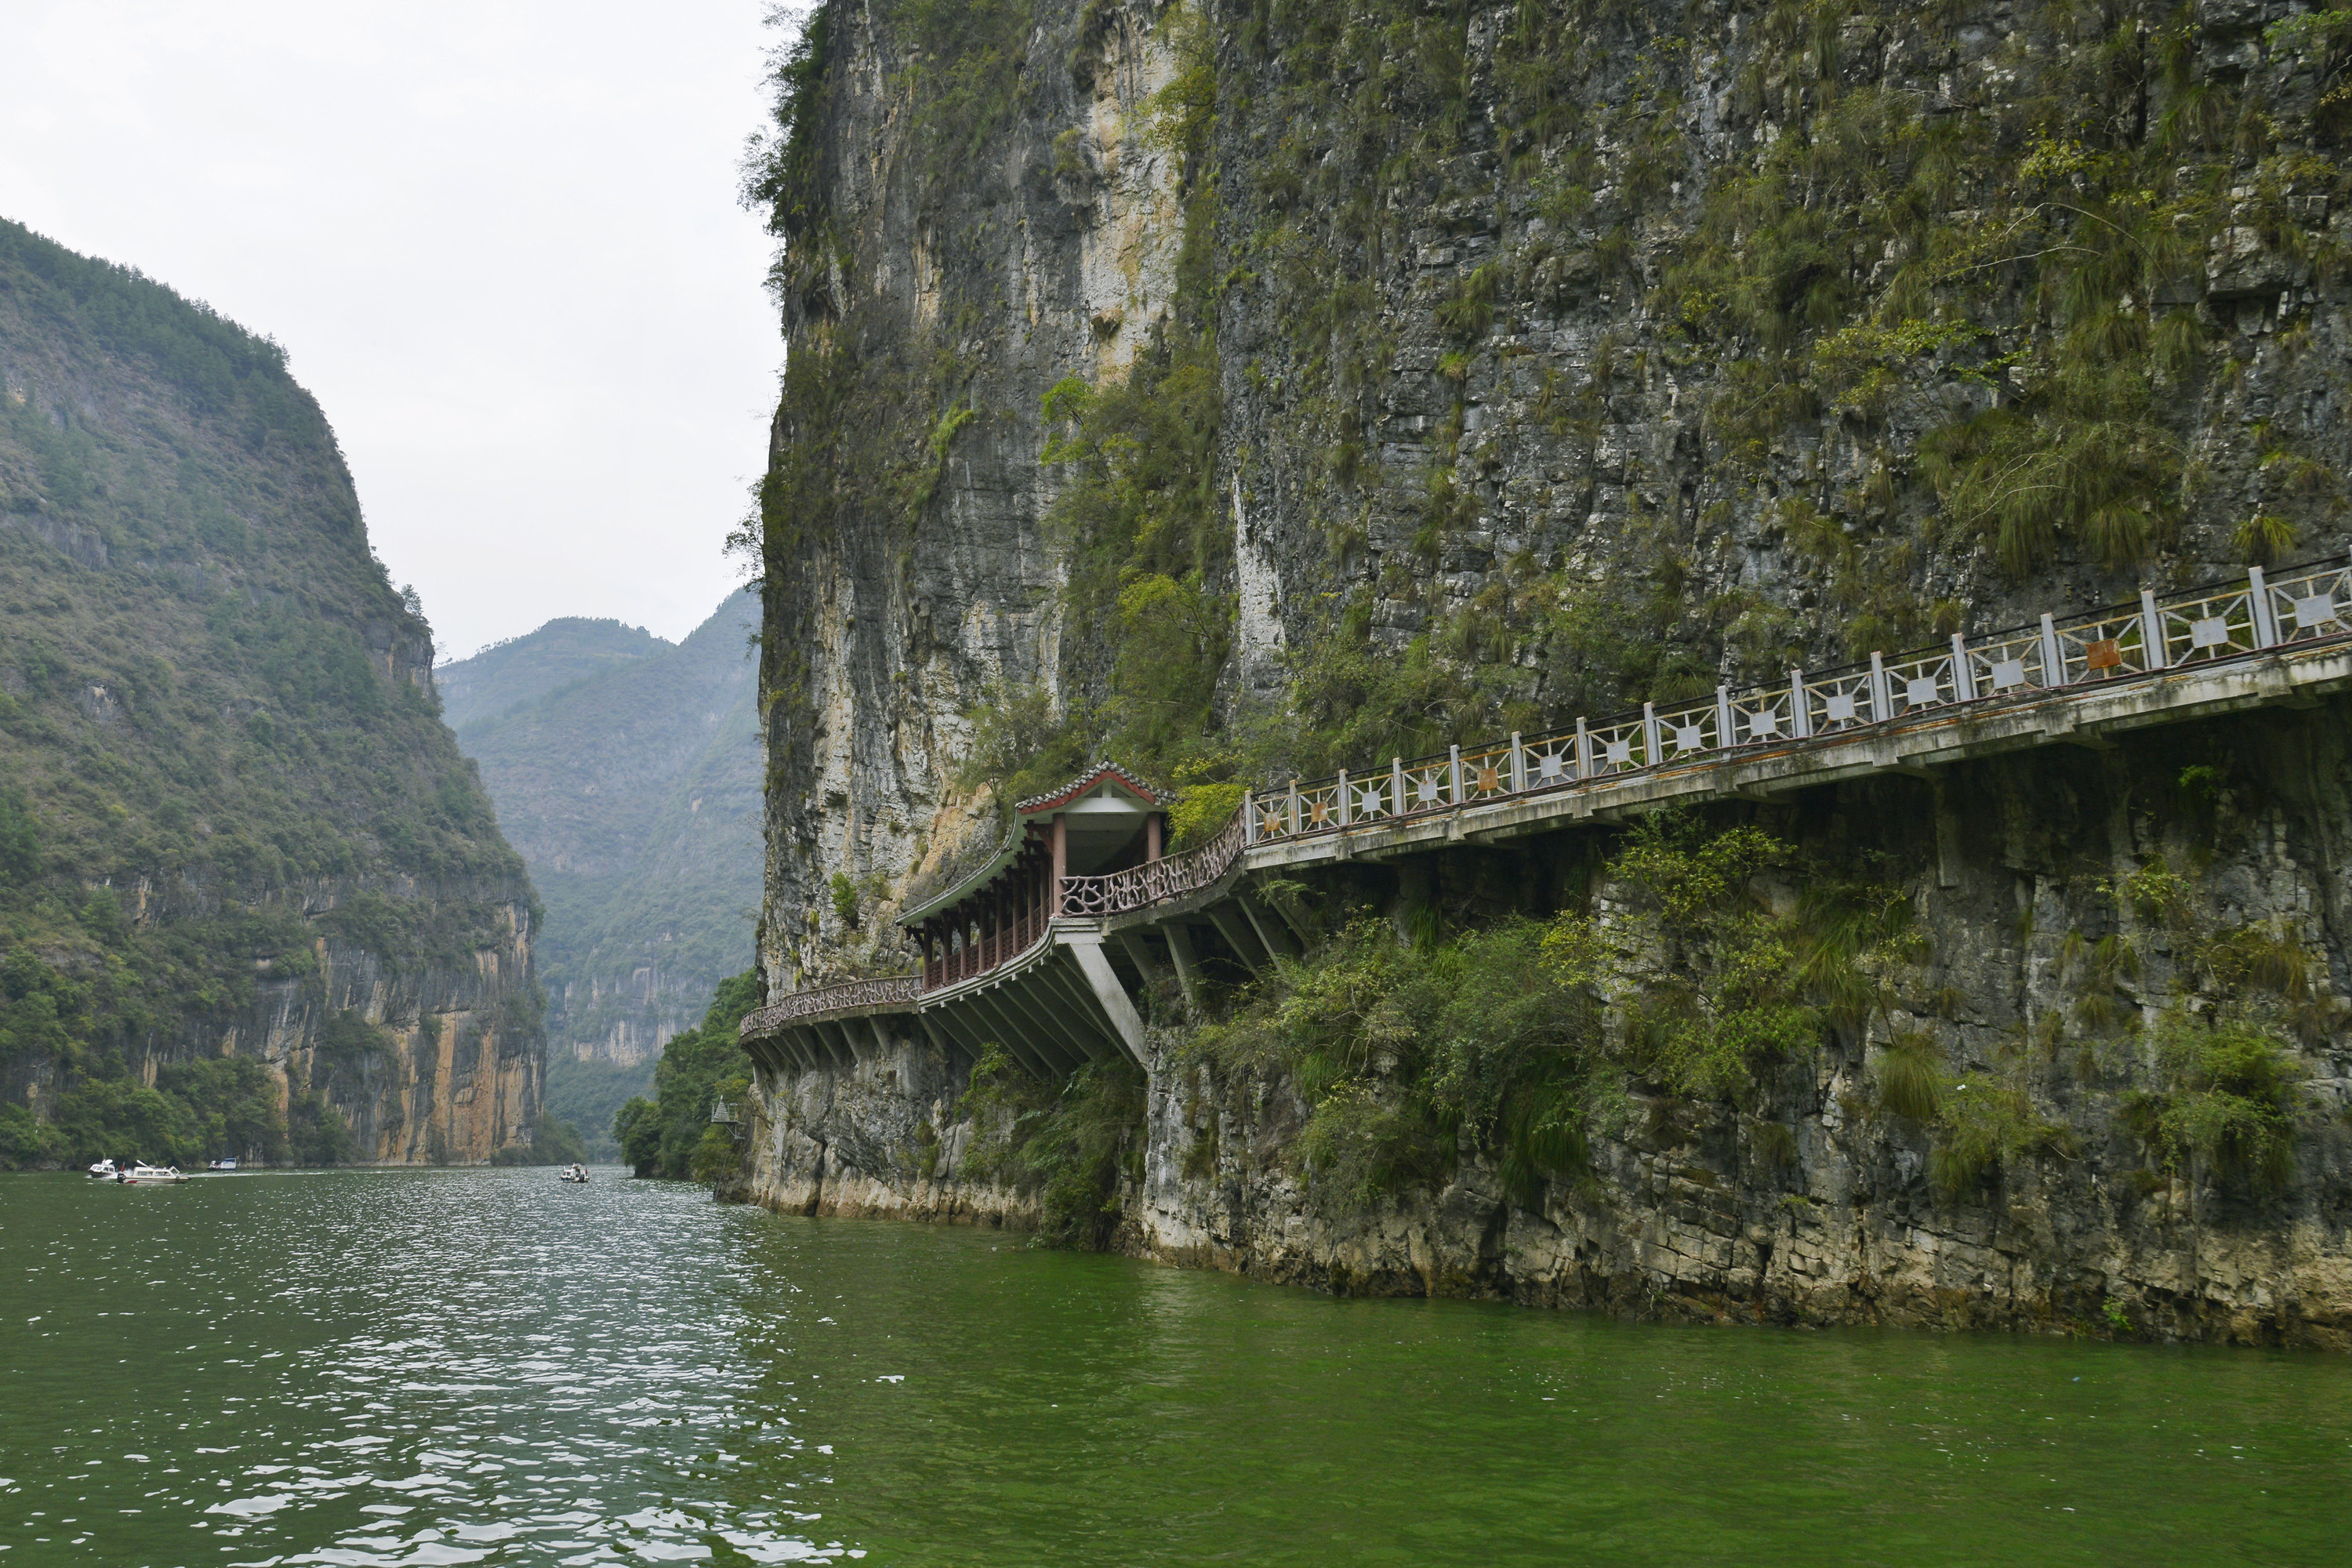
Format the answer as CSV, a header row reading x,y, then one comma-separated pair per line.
x,y
1551,760
2313,605
1318,806
1428,784
2006,664
1487,772
883,991
2103,648
1618,749
1689,731
1914,685
2201,629
1834,702
1764,716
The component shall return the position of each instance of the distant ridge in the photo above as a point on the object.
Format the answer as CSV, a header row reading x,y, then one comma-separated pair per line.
x,y
626,770
505,676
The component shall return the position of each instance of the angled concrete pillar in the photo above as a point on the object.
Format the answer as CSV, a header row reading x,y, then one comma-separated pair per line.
x,y
1140,954
1188,967
1018,1034
937,1036
1116,1003
1278,924
1270,934
1250,949
1053,1033
1075,998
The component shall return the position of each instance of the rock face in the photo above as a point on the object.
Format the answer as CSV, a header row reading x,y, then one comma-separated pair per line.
x,y
1548,358
252,900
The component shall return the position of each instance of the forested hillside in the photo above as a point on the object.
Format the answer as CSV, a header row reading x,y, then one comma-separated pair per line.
x,y
631,784
252,899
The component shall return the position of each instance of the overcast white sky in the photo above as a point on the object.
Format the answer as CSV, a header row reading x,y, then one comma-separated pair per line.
x,y
498,239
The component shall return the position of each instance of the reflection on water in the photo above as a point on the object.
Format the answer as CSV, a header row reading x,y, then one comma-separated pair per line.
x,y
433,1367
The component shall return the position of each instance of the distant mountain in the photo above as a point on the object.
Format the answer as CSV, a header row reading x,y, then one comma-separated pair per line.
x,y
522,669
631,785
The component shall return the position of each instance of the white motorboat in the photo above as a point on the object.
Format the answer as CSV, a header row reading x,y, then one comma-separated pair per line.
x,y
573,1174
144,1171
227,1165
104,1171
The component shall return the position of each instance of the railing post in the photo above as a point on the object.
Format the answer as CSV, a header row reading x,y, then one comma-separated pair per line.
x,y
1292,831
2265,625
1343,797
1964,678
1583,751
1650,758
1454,775
1882,700
1801,713
2054,660
1396,782
2151,631
1249,818
1727,723
1519,765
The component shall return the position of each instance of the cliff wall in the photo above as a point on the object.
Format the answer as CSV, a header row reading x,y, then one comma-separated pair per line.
x,y
252,900
1247,390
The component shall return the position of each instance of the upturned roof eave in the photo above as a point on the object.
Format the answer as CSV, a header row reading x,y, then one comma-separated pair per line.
x,y
1007,852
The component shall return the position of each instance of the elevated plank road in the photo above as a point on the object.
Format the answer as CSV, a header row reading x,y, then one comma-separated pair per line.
x,y
1042,958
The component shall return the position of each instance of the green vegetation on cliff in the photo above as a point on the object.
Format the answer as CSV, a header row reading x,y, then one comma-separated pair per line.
x,y
672,1134
226,778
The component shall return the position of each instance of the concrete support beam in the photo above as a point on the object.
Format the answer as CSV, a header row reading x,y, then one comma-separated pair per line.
x,y
1115,1004
1188,967
937,1037
1277,924
1270,934
1077,1000
1028,997
1001,1028
1252,951
1139,952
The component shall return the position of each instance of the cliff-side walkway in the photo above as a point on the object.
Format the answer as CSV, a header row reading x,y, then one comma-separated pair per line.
x,y
1041,949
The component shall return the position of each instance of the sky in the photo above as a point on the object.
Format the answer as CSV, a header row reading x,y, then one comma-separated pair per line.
x,y
500,240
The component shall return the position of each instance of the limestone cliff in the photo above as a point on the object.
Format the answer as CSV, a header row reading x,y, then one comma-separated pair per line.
x,y
1252,389
252,900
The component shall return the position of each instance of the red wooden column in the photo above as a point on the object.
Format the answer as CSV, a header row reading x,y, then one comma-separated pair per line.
x,y
1061,865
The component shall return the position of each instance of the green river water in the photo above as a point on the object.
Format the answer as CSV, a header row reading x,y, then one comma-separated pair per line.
x,y
485,1366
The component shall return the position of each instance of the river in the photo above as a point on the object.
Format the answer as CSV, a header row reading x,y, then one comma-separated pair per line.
x,y
486,1366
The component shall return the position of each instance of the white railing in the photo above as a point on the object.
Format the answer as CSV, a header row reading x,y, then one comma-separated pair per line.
x,y
2307,603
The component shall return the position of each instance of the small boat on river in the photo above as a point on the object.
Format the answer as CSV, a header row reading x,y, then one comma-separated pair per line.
x,y
143,1172
573,1174
227,1165
104,1171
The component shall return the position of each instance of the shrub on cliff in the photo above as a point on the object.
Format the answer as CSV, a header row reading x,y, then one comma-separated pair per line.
x,y
1072,1143
659,1137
